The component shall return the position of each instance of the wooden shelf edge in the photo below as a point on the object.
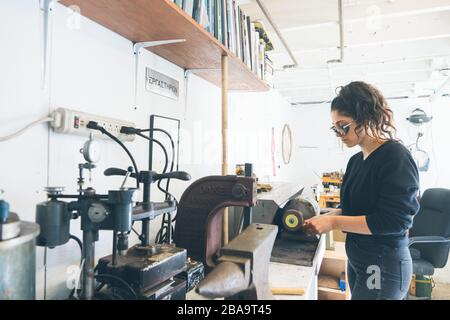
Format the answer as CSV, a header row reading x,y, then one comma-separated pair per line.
x,y
126,20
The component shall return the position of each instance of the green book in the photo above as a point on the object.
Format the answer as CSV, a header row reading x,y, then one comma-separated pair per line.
x,y
179,3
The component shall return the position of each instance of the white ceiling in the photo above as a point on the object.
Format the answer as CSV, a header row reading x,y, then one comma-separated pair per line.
x,y
401,46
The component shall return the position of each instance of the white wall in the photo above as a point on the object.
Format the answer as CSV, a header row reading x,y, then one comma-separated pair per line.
x,y
435,142
313,122
91,69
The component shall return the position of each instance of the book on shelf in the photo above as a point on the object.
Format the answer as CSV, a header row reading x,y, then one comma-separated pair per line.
x,y
237,38
201,14
249,42
269,70
188,7
261,60
179,3
224,19
230,25
218,19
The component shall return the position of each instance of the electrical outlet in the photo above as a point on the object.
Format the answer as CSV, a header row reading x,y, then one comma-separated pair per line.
x,y
75,122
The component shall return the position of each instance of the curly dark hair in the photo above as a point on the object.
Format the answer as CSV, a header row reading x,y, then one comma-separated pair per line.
x,y
368,107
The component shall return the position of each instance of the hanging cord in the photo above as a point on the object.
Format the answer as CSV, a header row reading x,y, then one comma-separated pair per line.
x,y
161,235
24,129
173,156
94,126
80,244
99,278
131,130
167,193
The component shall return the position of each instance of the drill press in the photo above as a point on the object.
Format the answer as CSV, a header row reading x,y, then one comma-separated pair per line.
x,y
144,271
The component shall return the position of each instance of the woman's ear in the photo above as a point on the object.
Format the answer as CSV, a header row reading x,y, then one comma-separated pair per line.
x,y
360,131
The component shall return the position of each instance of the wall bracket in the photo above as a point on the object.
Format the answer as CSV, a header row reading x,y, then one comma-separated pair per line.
x,y
46,7
136,51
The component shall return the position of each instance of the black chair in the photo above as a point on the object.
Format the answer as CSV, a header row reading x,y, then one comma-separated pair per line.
x,y
429,241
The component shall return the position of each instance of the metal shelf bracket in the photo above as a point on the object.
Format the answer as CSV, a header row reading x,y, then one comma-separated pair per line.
x,y
136,50
46,7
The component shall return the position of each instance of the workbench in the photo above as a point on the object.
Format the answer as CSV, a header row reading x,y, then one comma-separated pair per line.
x,y
294,276
280,274
291,276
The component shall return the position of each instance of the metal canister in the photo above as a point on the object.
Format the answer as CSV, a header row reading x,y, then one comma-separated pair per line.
x,y
53,218
18,261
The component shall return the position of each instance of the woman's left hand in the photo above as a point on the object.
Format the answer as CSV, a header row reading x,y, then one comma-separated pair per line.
x,y
319,224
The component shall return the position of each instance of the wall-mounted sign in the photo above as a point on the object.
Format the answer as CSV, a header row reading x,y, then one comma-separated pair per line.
x,y
159,83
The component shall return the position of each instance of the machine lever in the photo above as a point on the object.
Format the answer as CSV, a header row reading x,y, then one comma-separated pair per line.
x,y
129,172
180,175
117,172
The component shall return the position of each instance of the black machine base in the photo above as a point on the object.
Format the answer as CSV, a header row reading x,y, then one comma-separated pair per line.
x,y
172,289
144,268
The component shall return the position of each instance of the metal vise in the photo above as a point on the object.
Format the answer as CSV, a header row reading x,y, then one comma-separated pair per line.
x,y
200,211
243,267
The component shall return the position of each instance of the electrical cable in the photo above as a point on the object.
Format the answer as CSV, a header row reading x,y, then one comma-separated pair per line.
x,y
161,236
93,125
80,244
131,130
29,126
162,147
173,155
123,282
167,193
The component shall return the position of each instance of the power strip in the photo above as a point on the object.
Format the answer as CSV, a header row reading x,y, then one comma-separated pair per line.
x,y
75,122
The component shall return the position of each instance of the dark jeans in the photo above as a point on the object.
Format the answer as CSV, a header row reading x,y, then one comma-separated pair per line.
x,y
377,271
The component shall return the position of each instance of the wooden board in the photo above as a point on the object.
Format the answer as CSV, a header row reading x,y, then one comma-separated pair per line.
x,y
281,192
153,20
330,294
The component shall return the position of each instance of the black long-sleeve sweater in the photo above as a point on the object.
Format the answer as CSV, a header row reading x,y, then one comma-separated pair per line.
x,y
383,187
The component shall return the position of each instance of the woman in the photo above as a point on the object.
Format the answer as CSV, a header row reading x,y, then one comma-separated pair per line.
x,y
378,196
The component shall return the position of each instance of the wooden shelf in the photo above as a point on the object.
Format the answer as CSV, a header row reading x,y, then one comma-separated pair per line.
x,y
153,20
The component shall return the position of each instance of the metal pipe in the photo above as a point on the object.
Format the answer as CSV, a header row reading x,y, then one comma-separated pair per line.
x,y
114,249
278,32
439,92
88,267
224,79
341,30
387,98
341,35
145,231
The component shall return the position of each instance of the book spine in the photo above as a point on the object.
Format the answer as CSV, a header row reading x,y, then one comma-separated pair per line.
x,y
217,20
249,39
224,23
179,3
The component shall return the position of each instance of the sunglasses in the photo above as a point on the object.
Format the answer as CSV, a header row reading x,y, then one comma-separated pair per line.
x,y
341,131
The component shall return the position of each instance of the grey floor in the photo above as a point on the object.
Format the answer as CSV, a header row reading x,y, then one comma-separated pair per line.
x,y
441,292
